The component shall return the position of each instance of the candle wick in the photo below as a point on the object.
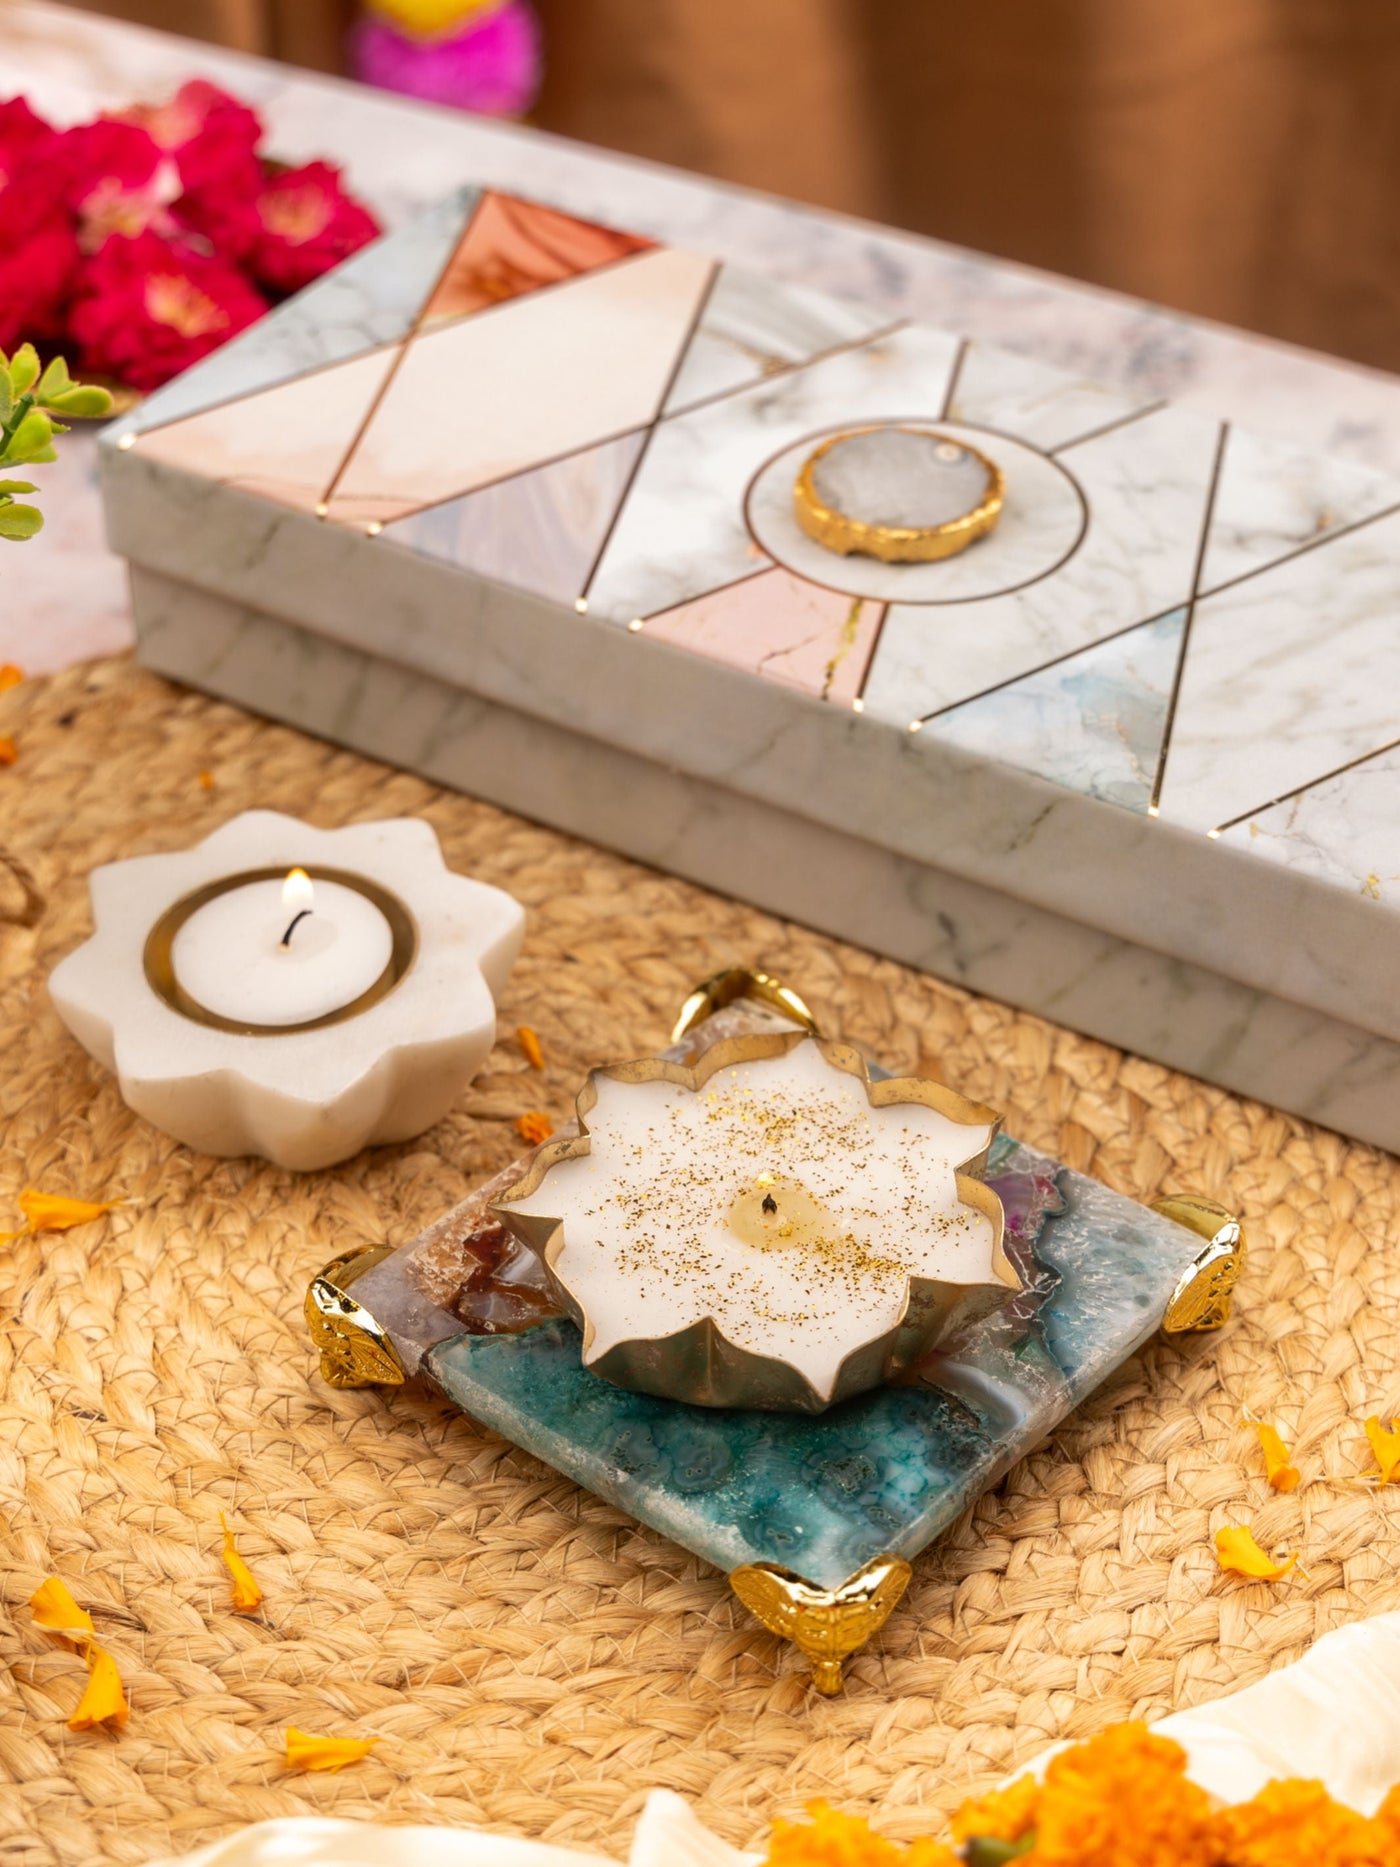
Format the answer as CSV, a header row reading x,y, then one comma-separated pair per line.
x,y
769,1203
287,937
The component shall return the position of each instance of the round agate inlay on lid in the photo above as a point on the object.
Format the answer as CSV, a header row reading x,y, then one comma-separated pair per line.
x,y
901,476
899,493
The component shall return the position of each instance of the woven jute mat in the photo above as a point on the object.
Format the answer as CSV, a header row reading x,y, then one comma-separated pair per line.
x,y
530,1658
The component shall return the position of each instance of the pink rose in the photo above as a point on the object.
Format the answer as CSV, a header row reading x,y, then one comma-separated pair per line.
x,y
146,309
198,111
117,180
305,223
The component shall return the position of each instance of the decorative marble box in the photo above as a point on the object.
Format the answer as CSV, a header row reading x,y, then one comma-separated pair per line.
x,y
814,1517
508,500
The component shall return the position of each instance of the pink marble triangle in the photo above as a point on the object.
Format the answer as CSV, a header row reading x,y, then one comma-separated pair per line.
x,y
513,247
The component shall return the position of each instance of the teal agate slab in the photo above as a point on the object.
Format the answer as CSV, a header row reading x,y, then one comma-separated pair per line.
x,y
885,1473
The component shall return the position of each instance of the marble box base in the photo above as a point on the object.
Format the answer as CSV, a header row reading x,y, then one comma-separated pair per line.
x,y
509,499
1181,1014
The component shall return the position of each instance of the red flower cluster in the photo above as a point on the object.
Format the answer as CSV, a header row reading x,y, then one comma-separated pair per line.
x,y
143,241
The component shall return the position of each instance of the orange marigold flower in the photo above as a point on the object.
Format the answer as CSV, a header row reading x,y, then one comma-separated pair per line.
x,y
534,1126
247,1596
530,1044
103,1699
305,1752
51,1212
1236,1550
830,1839
1003,1815
56,1612
1125,1782
9,751
1295,1824
1283,1476
10,676
1385,1446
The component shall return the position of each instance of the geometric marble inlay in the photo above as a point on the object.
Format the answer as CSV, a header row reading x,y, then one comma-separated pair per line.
x,y
777,625
540,531
524,383
512,247
1092,722
1016,395
1345,830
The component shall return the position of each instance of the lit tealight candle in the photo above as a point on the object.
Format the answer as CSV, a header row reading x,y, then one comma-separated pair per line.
x,y
280,953
291,992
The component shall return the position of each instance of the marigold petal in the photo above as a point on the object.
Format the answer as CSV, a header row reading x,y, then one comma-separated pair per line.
x,y
305,1752
56,1612
1385,1447
1236,1549
534,1126
10,676
9,751
103,1701
247,1596
530,1044
1283,1475
51,1212
1002,1815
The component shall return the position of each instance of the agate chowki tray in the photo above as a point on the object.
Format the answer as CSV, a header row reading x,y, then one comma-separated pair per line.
x,y
507,500
814,1517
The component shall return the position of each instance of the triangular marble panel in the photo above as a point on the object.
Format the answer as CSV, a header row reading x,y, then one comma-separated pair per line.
x,y
1288,676
1146,487
1013,394
781,627
1092,723
753,327
1272,499
540,531
1343,830
286,443
373,299
514,247
554,372
683,531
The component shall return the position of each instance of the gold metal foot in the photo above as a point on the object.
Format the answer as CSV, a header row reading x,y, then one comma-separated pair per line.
x,y
741,982
826,1625
1201,1299
355,1351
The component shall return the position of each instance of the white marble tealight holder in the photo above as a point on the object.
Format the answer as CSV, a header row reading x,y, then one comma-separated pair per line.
x,y
291,992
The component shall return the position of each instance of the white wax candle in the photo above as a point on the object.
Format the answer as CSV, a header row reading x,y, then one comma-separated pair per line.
x,y
776,1200
230,955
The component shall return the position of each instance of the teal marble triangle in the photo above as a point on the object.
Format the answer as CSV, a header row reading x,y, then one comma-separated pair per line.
x,y
1092,722
372,300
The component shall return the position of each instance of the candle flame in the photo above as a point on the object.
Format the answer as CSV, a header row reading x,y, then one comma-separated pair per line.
x,y
298,895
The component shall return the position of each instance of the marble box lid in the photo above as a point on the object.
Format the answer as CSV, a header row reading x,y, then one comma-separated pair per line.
x,y
1161,699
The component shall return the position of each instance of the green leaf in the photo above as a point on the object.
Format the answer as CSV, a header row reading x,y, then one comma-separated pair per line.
x,y
17,486
20,522
24,367
7,399
83,401
32,440
54,380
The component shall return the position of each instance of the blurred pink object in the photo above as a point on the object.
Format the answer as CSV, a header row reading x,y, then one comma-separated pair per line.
x,y
491,66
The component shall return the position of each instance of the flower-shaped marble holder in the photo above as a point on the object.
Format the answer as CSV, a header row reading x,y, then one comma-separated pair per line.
x,y
367,1022
814,1517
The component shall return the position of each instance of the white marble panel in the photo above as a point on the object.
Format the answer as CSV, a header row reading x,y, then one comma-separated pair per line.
x,y
540,531
1288,676
373,299
523,383
753,326
1042,522
1271,499
682,531
1182,1015
1017,395
1146,487
1092,722
1344,830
